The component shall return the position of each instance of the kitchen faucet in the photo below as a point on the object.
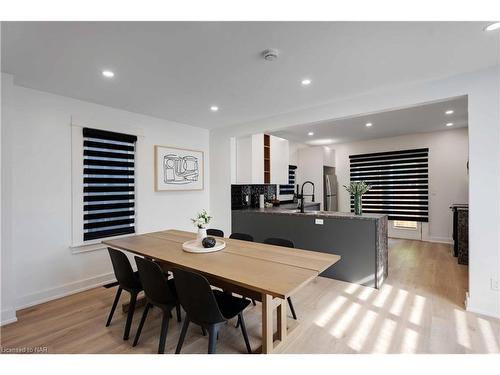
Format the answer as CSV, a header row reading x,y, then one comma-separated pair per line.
x,y
301,196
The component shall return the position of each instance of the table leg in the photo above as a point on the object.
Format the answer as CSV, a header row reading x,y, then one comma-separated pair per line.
x,y
267,324
282,320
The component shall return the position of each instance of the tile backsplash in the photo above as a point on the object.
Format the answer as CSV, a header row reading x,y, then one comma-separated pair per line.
x,y
239,192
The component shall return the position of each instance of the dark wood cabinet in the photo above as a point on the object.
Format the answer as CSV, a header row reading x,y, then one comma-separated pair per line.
x,y
461,232
267,159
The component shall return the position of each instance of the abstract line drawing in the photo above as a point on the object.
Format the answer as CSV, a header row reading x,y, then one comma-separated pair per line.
x,y
178,169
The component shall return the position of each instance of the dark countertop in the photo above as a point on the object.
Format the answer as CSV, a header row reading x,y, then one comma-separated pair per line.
x,y
290,209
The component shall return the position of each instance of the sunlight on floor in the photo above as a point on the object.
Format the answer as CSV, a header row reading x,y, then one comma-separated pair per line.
x,y
417,310
330,311
363,330
385,336
345,320
410,341
382,296
399,302
488,336
461,328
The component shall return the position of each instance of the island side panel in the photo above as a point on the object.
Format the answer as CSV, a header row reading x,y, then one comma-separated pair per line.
x,y
354,239
382,251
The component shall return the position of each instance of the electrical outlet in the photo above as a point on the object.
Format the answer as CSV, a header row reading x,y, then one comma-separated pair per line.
x,y
318,221
494,284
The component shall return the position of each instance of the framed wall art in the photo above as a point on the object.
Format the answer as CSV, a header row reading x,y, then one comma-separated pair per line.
x,y
178,169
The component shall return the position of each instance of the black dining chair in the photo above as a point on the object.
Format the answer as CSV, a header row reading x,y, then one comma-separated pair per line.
x,y
241,236
215,232
207,308
285,243
129,281
160,292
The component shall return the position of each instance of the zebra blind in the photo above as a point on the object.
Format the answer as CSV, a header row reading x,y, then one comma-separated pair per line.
x,y
400,183
289,189
108,180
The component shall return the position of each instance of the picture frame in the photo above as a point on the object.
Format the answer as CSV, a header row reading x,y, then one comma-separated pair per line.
x,y
178,169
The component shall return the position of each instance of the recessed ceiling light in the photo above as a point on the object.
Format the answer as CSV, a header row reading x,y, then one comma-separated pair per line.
x,y
368,124
449,112
493,26
214,108
108,73
449,124
306,82
310,133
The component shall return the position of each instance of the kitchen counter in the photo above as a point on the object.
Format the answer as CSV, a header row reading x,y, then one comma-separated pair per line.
x,y
361,241
292,210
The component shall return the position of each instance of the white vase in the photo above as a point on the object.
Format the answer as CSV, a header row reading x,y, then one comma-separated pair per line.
x,y
202,233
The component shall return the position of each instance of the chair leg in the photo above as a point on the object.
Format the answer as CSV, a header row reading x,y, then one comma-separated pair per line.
x,y
163,333
291,308
182,336
241,321
130,315
115,302
178,311
212,338
253,302
141,324
203,331
237,323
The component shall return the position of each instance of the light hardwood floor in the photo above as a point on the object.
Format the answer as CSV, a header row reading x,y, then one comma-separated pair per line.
x,y
420,309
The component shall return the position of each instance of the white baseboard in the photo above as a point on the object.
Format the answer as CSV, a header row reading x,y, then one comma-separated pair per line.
x,y
63,290
7,316
437,239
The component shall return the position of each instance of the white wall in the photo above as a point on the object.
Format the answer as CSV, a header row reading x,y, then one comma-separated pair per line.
x,y
243,159
482,88
448,179
36,188
311,169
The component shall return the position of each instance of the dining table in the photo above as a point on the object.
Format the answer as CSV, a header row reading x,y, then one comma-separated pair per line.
x,y
266,273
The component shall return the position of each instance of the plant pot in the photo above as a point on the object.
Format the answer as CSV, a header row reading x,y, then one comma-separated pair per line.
x,y
358,207
202,233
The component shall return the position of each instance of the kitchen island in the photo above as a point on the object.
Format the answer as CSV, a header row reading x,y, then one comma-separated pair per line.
x,y
361,241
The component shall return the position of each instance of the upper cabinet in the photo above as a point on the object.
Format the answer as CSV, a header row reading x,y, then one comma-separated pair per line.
x,y
279,160
261,159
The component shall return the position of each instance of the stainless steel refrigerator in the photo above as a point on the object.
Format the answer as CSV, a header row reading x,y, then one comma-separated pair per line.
x,y
330,182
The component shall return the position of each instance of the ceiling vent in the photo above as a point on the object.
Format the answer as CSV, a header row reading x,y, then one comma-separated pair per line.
x,y
270,54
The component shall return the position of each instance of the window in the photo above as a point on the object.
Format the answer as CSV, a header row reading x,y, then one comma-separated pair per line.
x,y
403,224
108,184
289,189
400,183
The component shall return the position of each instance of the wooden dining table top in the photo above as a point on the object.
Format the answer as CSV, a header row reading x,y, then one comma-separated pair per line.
x,y
267,269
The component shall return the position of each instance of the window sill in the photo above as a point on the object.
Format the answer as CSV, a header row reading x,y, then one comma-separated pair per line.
x,y
94,245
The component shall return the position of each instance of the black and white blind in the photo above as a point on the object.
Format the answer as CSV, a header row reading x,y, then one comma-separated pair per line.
x,y
400,181
109,186
288,189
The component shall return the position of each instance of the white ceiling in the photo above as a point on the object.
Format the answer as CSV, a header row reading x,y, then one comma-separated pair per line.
x,y
177,70
417,119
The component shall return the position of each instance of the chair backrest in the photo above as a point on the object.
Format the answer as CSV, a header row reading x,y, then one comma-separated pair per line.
x,y
123,270
241,236
196,297
278,242
215,232
154,282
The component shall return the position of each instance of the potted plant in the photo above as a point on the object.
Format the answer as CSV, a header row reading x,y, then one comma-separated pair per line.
x,y
201,221
357,189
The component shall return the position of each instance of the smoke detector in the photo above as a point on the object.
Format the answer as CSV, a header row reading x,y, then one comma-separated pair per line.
x,y
270,54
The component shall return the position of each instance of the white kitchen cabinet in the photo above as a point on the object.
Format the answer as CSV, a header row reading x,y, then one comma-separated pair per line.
x,y
250,159
279,160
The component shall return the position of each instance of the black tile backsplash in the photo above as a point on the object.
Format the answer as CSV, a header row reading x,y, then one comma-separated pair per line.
x,y
238,193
